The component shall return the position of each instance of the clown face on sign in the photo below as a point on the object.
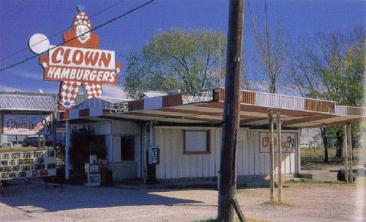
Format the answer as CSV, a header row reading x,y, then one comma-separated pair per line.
x,y
80,30
78,62
82,27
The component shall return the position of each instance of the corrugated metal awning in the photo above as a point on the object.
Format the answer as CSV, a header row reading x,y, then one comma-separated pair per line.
x,y
207,107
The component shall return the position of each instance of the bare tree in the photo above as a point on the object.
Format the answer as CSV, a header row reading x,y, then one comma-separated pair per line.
x,y
272,49
332,67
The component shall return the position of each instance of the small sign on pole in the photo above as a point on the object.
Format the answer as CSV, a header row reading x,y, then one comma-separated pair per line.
x,y
154,155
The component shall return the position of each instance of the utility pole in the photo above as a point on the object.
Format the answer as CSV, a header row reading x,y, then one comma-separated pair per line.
x,y
230,126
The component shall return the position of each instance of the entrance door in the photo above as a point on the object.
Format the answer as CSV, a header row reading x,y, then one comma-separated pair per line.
x,y
127,148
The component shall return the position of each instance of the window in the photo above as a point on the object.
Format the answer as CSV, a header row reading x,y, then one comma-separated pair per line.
x,y
127,148
196,141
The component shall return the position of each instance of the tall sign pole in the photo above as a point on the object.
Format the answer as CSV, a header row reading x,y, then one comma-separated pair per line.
x,y
230,126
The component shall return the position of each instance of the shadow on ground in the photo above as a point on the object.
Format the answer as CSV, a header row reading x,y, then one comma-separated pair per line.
x,y
35,196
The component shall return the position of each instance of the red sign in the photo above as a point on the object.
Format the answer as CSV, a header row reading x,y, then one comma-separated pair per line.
x,y
288,142
80,62
77,64
26,124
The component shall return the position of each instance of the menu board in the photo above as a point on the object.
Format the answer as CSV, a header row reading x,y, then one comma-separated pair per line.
x,y
27,163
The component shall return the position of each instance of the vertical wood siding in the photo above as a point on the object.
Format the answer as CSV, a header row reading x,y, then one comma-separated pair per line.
x,y
175,164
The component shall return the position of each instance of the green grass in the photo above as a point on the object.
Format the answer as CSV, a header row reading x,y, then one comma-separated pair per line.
x,y
313,158
276,204
20,149
310,181
317,154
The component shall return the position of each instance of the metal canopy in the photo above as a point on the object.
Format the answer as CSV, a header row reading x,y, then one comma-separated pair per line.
x,y
207,107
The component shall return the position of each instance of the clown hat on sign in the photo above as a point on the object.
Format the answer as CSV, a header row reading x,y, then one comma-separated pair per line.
x,y
81,33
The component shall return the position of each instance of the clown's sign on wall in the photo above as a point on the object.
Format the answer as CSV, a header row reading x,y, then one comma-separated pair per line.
x,y
78,62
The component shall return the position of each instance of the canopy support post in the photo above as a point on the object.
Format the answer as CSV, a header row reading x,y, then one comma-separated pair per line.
x,y
279,157
67,151
350,152
345,144
271,173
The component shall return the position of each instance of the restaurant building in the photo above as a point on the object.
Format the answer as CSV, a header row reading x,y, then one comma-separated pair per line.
x,y
178,136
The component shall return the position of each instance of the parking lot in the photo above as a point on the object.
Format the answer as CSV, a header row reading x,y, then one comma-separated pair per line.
x,y
304,202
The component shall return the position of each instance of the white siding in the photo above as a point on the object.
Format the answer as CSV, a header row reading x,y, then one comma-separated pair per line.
x,y
259,162
175,164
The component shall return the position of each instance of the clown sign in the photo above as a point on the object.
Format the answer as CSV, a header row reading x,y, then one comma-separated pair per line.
x,y
78,62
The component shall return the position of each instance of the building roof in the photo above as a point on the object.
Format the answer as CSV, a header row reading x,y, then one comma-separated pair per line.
x,y
21,101
207,107
29,101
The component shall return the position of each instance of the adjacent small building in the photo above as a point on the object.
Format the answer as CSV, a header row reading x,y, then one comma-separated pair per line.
x,y
24,114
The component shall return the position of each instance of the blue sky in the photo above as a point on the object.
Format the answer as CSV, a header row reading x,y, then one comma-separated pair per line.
x,y
21,19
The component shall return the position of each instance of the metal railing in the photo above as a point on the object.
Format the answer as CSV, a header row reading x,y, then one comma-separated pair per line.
x,y
117,107
350,111
279,101
197,96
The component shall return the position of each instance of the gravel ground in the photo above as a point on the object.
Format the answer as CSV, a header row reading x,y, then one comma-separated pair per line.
x,y
304,202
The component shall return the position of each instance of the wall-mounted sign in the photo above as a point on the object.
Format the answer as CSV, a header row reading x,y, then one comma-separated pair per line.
x,y
26,124
27,163
289,142
78,62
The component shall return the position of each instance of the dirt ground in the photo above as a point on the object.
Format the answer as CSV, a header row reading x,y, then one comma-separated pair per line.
x,y
304,202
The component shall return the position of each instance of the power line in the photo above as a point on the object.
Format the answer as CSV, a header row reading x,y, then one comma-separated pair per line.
x,y
96,27
60,32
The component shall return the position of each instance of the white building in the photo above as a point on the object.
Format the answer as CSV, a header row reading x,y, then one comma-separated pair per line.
x,y
311,138
178,137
